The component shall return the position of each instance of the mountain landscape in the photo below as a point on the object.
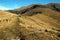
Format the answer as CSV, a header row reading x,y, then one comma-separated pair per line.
x,y
33,22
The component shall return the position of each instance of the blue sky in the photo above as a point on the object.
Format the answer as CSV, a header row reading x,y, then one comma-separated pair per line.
x,y
13,4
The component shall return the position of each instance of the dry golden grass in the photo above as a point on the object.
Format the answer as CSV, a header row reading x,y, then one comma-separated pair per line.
x,y
8,24
40,26
7,19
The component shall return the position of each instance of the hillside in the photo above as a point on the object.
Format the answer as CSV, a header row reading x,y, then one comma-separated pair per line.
x,y
33,22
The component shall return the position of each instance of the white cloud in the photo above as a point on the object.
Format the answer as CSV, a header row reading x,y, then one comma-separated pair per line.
x,y
3,8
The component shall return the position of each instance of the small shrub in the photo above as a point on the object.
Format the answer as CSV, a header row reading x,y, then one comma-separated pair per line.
x,y
46,30
0,20
7,20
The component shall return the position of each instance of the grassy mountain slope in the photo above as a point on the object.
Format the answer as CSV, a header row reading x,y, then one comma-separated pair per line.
x,y
40,24
34,22
8,22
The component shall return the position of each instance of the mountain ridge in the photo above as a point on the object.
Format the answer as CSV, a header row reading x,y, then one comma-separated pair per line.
x,y
53,6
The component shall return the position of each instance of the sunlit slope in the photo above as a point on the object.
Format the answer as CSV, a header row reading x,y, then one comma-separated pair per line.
x,y
41,21
35,27
48,12
7,19
8,24
35,22
38,26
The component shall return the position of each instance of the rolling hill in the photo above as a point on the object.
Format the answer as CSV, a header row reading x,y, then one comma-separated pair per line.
x,y
33,22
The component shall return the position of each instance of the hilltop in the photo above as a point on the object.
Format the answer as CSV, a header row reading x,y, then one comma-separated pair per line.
x,y
23,10
33,22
